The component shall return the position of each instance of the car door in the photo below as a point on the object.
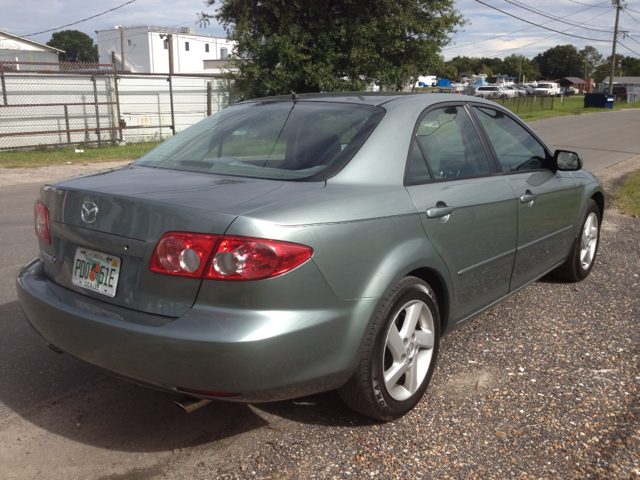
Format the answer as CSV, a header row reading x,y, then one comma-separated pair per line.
x,y
547,199
468,213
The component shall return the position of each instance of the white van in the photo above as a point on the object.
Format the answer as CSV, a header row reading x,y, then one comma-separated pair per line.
x,y
548,89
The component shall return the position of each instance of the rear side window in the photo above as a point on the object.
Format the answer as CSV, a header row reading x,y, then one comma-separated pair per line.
x,y
279,140
451,145
516,148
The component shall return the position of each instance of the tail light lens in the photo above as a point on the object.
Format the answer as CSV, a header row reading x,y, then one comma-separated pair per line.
x,y
41,217
225,257
183,254
243,258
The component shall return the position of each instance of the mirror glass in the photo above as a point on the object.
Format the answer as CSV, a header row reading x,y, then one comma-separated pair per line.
x,y
568,160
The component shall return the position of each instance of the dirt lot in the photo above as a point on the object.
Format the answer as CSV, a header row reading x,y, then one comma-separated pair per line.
x,y
546,385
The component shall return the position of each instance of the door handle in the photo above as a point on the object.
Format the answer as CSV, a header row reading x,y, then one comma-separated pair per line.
x,y
528,197
439,212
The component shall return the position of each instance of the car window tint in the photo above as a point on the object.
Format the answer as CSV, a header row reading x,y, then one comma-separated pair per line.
x,y
280,140
451,144
517,149
418,171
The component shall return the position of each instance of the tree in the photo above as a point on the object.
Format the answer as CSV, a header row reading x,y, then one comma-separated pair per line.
x,y
77,46
335,45
590,58
520,67
630,68
560,61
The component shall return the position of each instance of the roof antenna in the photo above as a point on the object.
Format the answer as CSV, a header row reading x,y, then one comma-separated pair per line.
x,y
293,95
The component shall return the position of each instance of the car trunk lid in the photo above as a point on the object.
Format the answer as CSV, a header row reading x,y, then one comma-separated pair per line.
x,y
134,207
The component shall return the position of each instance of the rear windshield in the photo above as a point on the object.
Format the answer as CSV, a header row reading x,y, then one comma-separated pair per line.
x,y
277,140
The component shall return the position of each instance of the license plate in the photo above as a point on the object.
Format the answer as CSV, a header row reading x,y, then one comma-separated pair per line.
x,y
96,271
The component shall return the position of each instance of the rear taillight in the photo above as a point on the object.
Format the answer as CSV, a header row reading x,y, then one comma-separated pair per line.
x,y
41,217
225,257
243,258
183,254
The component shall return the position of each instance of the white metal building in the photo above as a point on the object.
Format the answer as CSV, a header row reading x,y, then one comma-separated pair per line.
x,y
14,48
146,48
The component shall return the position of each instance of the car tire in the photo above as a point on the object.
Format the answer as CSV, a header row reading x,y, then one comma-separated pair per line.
x,y
481,96
585,247
399,354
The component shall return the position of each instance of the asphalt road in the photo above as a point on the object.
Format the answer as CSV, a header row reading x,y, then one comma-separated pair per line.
x,y
483,417
602,139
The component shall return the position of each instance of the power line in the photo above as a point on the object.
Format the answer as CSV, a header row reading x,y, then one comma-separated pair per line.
x,y
80,21
623,45
630,16
536,11
538,25
502,52
528,28
580,3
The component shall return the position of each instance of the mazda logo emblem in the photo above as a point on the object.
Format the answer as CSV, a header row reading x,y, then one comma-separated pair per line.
x,y
89,212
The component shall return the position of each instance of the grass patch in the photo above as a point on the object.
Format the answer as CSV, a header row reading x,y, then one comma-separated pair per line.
x,y
627,197
541,108
63,156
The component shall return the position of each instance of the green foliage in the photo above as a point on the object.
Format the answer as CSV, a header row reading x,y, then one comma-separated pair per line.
x,y
603,70
590,58
336,45
560,61
519,66
78,46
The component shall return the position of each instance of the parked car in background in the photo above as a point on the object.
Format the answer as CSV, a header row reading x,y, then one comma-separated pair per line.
x,y
547,89
567,91
525,89
516,91
620,93
287,246
493,91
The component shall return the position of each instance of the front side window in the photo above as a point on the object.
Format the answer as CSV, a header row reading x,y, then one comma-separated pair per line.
x,y
279,140
515,147
451,144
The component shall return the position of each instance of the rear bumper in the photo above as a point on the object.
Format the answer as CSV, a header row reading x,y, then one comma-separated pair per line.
x,y
264,355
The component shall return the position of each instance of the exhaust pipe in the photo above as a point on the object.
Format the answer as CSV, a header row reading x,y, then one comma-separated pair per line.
x,y
189,404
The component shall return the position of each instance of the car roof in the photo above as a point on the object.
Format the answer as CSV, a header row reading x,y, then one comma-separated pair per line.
x,y
363,98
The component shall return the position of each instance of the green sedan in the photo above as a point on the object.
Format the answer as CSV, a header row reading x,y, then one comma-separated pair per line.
x,y
288,246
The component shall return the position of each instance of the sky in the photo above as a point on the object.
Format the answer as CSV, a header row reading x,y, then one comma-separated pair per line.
x,y
488,32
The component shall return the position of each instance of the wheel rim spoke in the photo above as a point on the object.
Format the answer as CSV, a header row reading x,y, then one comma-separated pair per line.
x,y
424,339
412,381
392,375
413,312
394,343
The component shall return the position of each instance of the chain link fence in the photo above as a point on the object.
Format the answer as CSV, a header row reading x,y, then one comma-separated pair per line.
x,y
93,104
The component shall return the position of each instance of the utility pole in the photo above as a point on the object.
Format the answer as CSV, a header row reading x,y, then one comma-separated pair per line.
x,y
615,40
520,68
121,28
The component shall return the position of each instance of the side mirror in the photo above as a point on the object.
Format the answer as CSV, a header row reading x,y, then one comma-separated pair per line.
x,y
567,161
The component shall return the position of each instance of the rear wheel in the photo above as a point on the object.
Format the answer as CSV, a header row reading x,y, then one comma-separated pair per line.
x,y
481,96
583,254
400,353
